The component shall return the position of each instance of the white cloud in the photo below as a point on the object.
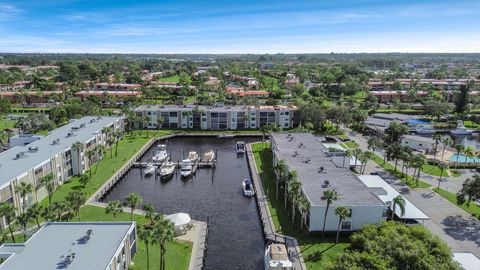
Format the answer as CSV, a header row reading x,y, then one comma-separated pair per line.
x,y
8,12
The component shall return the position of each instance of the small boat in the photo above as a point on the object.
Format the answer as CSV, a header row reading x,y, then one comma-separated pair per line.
x,y
209,156
240,147
276,258
248,188
161,154
186,168
149,169
226,136
167,169
461,130
192,156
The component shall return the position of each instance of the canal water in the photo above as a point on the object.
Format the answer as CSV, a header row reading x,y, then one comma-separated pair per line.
x,y
235,239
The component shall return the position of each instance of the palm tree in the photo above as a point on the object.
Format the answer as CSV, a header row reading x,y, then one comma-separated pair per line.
x,y
49,184
132,200
23,190
90,155
373,143
292,176
400,202
160,121
329,195
443,166
459,148
437,138
84,180
347,153
110,142
281,172
145,235
35,211
118,136
447,141
356,152
163,232
294,193
469,153
23,219
7,210
99,150
149,210
342,213
364,158
114,208
304,207
75,200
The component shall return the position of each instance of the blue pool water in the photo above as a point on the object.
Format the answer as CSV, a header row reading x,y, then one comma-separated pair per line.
x,y
461,158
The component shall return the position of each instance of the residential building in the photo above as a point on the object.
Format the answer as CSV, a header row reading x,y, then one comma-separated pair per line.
x,y
29,97
118,94
292,80
74,246
117,86
216,117
52,154
318,172
390,96
419,143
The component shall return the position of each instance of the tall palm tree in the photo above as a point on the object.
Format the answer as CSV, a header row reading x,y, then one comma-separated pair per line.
x,y
364,158
110,142
342,213
400,202
90,155
356,153
35,211
23,219
149,210
163,232
132,200
329,195
347,154
75,200
145,235
23,189
459,148
160,121
373,143
292,176
469,153
99,150
443,166
49,184
447,141
294,193
281,172
114,208
304,207
118,136
437,139
7,210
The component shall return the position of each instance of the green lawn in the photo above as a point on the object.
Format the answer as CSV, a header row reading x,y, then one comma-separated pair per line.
x,y
472,209
350,144
433,170
5,123
317,253
127,147
456,173
178,253
174,79
391,169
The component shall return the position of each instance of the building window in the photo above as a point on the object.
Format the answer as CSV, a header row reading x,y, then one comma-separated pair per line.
x,y
346,225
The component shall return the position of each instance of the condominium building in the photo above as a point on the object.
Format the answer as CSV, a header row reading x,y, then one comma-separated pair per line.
x,y
318,171
52,154
215,118
74,246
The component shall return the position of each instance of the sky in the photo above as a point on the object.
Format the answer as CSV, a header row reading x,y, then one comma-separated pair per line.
x,y
246,26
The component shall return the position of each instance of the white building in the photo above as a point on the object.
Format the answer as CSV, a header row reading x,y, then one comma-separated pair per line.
x,y
74,246
216,117
305,154
52,154
418,143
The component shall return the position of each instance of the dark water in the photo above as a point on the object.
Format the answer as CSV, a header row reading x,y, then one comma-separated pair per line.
x,y
235,239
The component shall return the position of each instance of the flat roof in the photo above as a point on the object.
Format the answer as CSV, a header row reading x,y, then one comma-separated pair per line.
x,y
12,167
311,155
418,138
49,246
375,182
394,116
211,108
467,260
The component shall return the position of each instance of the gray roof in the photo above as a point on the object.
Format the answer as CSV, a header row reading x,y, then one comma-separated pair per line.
x,y
12,167
48,248
209,108
418,138
394,116
352,191
377,123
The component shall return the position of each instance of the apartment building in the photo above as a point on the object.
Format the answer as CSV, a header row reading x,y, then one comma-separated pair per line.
x,y
75,246
216,118
54,154
319,171
117,86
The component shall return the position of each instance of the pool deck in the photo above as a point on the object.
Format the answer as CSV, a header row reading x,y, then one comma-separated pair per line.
x,y
266,217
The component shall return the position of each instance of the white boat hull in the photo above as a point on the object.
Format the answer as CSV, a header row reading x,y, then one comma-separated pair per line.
x,y
248,190
160,157
149,170
167,170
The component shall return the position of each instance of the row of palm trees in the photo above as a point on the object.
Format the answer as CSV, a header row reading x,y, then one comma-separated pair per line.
x,y
57,211
156,230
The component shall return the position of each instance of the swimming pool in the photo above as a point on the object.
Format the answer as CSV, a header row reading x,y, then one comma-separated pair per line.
x,y
461,158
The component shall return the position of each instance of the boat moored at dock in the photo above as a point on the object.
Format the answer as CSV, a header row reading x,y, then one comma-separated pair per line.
x,y
240,147
149,169
276,258
167,169
209,157
186,168
161,154
248,188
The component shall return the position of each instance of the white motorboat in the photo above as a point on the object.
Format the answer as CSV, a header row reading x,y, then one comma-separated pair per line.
x,y
226,136
186,168
248,188
192,156
209,156
161,154
167,169
149,169
276,258
240,147
461,130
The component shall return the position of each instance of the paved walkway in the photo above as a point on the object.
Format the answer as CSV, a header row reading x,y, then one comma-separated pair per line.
x,y
457,228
